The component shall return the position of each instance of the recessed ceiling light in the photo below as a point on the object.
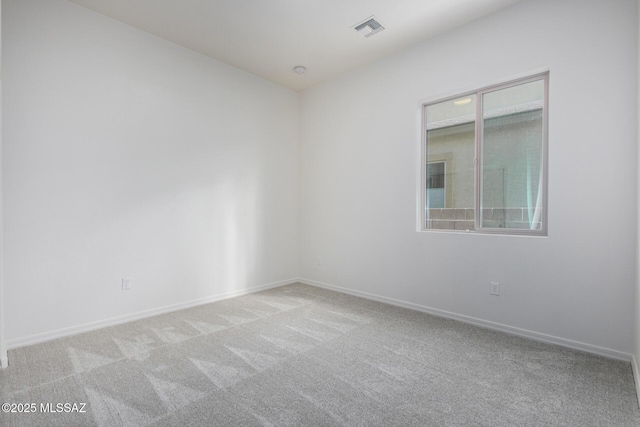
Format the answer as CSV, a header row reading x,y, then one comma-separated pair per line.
x,y
369,27
463,101
299,69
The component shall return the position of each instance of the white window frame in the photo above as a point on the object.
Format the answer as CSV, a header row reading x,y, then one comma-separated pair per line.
x,y
479,122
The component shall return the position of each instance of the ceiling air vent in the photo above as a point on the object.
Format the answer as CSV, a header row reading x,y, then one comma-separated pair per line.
x,y
369,27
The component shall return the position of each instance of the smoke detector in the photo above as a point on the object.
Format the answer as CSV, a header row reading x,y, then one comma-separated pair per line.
x,y
369,27
299,69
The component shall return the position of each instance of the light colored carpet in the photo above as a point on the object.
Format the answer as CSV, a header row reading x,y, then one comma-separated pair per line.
x,y
303,356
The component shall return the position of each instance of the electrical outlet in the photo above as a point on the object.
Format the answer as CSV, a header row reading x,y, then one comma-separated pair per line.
x,y
320,262
126,283
495,288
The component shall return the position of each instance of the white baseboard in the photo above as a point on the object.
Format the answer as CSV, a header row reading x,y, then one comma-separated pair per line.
x,y
588,348
636,375
50,335
86,327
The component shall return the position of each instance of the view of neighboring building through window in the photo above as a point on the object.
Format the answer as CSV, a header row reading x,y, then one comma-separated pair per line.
x,y
435,184
485,160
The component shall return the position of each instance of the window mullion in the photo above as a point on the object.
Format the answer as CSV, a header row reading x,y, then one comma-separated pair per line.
x,y
478,162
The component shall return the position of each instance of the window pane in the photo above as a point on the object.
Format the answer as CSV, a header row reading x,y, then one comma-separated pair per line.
x,y
450,195
512,157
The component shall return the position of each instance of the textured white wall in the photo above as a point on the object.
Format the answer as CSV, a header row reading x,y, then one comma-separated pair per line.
x,y
359,169
126,155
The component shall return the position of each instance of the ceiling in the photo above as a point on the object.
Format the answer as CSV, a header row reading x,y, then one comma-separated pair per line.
x,y
270,37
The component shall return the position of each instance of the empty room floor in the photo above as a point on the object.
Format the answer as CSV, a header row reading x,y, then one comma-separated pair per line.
x,y
298,355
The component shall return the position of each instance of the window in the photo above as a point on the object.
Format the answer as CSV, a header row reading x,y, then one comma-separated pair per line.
x,y
484,160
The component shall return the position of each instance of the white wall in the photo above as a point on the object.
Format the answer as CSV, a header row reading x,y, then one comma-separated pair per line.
x,y
636,326
4,361
126,155
359,169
